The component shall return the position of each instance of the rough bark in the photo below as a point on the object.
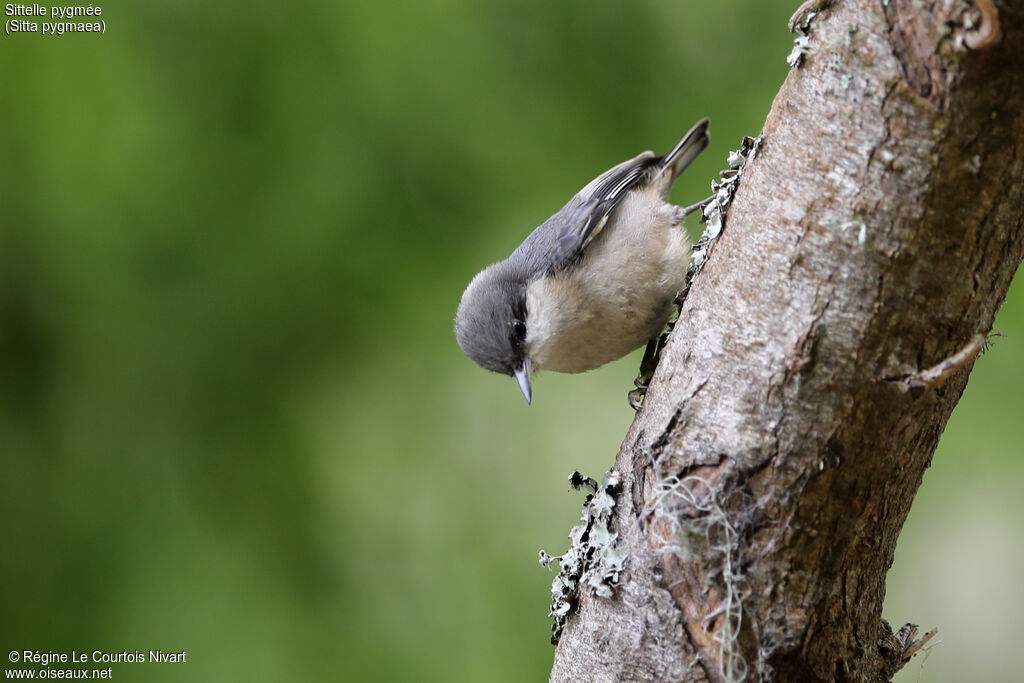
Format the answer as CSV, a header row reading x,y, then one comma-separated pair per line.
x,y
818,357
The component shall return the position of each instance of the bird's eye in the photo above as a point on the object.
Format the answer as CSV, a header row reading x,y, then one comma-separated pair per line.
x,y
519,328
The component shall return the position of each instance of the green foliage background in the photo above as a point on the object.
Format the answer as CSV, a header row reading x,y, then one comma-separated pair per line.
x,y
233,418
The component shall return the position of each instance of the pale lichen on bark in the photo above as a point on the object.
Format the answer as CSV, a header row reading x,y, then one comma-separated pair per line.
x,y
818,356
594,560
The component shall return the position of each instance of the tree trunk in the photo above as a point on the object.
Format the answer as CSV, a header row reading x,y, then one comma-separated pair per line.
x,y
818,356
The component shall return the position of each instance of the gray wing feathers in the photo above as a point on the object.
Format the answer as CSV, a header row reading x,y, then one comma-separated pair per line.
x,y
561,239
582,219
617,179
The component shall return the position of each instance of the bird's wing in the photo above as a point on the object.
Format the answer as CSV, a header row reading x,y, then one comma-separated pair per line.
x,y
599,198
562,239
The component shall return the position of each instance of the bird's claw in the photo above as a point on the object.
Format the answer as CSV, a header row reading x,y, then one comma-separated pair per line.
x,y
636,398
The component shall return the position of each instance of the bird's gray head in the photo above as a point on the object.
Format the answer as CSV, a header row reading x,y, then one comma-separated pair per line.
x,y
490,324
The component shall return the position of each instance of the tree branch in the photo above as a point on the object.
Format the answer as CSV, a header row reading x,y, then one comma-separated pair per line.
x,y
769,472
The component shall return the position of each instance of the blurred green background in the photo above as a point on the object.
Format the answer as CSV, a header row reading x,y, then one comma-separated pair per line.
x,y
233,417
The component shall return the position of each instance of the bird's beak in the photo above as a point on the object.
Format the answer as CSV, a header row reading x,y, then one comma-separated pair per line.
x,y
522,375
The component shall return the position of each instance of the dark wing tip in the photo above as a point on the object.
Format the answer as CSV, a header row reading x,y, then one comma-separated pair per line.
x,y
688,148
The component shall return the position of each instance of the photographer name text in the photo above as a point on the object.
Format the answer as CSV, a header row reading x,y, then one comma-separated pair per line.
x,y
46,658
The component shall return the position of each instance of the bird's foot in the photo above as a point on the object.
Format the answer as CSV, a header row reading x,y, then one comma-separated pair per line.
x,y
647,367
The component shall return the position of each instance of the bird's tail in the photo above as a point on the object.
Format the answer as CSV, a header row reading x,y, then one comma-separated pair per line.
x,y
686,150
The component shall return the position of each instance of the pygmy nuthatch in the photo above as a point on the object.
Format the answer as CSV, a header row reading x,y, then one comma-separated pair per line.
x,y
593,282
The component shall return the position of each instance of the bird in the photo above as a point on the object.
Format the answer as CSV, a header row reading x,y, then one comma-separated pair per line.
x,y
593,282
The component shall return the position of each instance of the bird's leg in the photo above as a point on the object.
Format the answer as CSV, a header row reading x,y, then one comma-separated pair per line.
x,y
681,212
647,366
